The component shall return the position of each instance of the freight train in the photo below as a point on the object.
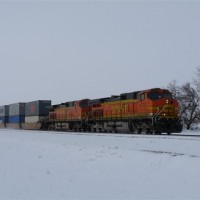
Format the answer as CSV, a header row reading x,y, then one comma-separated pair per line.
x,y
151,111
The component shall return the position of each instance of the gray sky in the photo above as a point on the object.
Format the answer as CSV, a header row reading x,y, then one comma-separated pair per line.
x,y
65,50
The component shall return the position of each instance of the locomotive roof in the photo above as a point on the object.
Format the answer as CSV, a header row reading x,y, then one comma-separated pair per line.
x,y
96,101
122,96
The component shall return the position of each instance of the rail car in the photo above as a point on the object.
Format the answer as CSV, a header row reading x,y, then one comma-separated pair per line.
x,y
150,111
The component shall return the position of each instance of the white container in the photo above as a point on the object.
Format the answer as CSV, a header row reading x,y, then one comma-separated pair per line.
x,y
34,119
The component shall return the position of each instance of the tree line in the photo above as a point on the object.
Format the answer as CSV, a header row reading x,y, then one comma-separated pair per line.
x,y
188,96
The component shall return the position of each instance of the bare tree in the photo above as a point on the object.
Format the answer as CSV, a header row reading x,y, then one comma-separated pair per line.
x,y
176,93
174,89
189,101
196,80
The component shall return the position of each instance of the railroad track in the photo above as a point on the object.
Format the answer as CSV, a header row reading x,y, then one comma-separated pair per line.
x,y
130,135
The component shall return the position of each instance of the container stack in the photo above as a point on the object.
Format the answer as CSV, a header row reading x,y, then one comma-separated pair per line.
x,y
4,111
35,113
16,115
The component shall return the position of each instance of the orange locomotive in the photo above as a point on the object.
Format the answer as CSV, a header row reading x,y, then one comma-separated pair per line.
x,y
69,115
150,111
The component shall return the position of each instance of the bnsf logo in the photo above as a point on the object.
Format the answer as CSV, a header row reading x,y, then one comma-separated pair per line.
x,y
32,109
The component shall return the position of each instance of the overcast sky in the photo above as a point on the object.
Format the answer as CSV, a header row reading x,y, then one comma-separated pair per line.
x,y
65,50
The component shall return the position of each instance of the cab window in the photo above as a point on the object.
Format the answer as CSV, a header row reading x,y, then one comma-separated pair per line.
x,y
154,96
141,96
167,95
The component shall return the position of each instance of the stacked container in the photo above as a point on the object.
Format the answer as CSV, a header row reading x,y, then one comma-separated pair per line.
x,y
36,112
16,113
3,115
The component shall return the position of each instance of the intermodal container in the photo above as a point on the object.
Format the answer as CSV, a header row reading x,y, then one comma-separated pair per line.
x,y
37,108
16,119
4,111
34,119
17,109
3,119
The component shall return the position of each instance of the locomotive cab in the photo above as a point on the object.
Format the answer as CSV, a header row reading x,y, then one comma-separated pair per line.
x,y
164,110
162,103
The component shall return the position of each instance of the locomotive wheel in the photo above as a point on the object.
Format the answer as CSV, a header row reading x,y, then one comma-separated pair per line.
x,y
89,129
139,131
98,130
148,131
93,130
157,133
132,131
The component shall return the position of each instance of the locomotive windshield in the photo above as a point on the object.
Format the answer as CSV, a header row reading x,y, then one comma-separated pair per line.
x,y
156,96
167,95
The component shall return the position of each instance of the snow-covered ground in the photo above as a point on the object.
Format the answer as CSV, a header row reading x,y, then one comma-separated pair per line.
x,y
48,165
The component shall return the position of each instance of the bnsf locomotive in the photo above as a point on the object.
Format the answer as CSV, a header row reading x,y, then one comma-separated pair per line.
x,y
150,111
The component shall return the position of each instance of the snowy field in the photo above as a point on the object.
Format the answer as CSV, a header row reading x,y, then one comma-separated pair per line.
x,y
48,165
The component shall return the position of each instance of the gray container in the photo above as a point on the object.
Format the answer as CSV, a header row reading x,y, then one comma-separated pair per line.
x,y
17,109
37,108
4,111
